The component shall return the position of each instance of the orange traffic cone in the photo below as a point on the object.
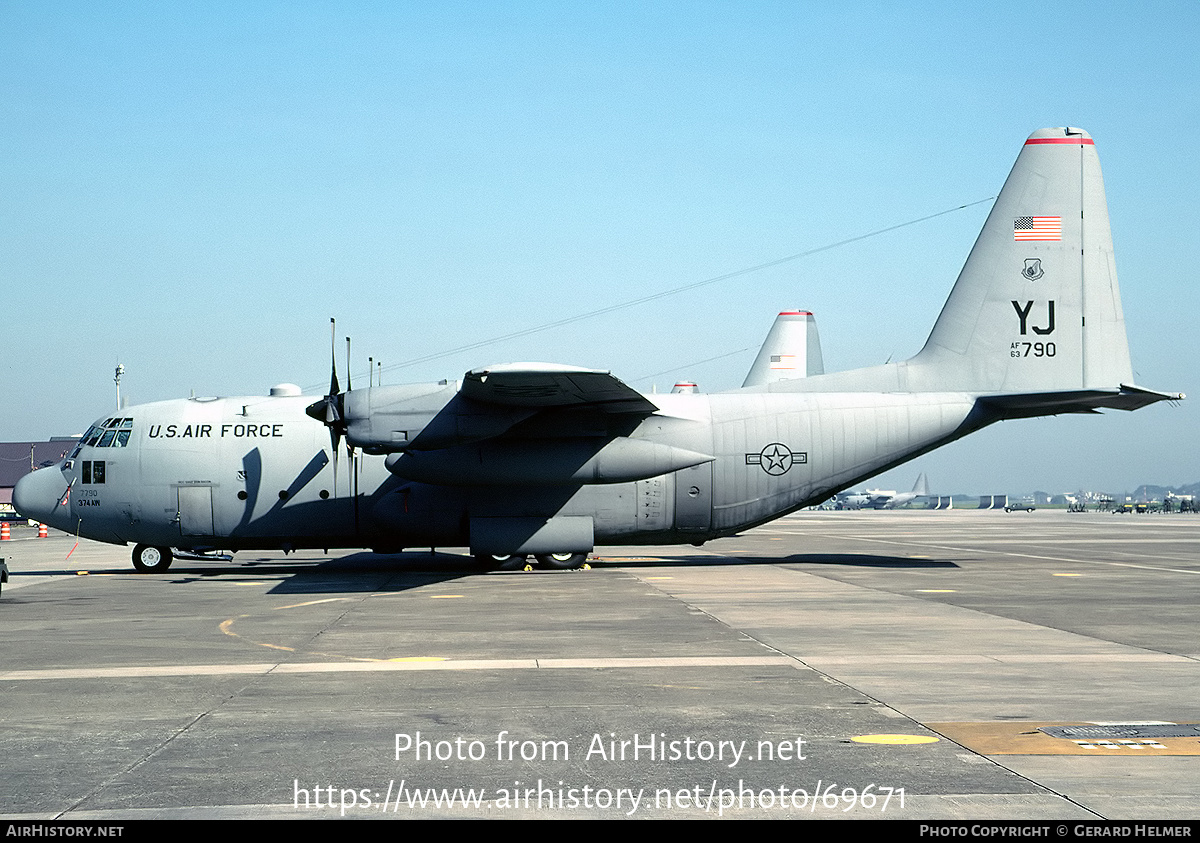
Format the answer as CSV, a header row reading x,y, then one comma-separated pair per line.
x,y
43,531
4,536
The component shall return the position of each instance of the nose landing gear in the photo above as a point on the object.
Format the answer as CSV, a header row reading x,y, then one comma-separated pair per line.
x,y
148,559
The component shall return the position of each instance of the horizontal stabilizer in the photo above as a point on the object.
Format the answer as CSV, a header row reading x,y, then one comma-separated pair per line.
x,y
1027,405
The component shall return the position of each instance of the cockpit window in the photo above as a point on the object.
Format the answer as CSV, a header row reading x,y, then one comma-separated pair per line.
x,y
111,433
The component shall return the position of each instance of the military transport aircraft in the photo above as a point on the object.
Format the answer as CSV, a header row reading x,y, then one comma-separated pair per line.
x,y
890,499
552,460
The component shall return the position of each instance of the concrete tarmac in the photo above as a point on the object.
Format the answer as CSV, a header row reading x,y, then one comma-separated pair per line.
x,y
908,664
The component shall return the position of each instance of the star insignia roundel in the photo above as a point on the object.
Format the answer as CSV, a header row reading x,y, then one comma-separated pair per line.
x,y
776,459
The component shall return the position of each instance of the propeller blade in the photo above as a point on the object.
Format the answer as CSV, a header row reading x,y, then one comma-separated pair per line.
x,y
333,380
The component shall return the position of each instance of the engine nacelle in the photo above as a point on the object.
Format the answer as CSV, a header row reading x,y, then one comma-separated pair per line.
x,y
543,462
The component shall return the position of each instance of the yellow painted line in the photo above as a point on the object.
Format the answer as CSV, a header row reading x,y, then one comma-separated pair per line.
x,y
313,602
444,596
895,740
936,590
1066,575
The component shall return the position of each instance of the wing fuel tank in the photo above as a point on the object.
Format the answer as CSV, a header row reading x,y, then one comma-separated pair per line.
x,y
543,462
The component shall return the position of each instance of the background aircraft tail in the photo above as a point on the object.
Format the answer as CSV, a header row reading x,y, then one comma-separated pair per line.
x,y
792,349
921,487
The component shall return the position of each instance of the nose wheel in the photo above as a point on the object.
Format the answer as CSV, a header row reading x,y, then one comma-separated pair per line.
x,y
148,559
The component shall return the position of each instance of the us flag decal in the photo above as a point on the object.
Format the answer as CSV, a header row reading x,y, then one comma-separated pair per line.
x,y
1037,228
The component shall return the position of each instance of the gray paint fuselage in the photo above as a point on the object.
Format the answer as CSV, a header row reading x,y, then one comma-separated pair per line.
x,y
271,481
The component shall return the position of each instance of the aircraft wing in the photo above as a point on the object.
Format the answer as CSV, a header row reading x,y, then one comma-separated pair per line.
x,y
539,424
547,401
541,385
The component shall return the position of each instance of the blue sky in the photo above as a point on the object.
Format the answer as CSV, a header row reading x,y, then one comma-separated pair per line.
x,y
193,189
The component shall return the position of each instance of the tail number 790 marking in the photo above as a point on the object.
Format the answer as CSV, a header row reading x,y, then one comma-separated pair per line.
x,y
1032,349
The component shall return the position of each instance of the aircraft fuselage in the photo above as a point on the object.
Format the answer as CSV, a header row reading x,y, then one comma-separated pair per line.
x,y
239,473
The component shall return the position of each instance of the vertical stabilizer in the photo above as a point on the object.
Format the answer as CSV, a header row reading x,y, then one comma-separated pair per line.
x,y
792,350
921,487
1036,308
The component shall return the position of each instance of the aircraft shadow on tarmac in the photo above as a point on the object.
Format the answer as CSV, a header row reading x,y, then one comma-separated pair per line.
x,y
862,560
371,572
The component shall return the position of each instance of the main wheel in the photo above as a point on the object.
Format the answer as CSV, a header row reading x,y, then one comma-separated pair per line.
x,y
148,559
501,561
561,561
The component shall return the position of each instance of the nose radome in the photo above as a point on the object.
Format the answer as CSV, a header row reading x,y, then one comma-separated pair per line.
x,y
36,495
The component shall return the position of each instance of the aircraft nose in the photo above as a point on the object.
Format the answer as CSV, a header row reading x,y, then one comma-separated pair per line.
x,y
37,494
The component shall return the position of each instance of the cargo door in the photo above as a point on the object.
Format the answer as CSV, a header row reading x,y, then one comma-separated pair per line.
x,y
195,511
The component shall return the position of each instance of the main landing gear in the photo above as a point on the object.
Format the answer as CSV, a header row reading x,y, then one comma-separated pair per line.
x,y
148,559
561,561
516,561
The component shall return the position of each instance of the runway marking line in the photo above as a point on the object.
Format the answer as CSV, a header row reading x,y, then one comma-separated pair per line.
x,y
966,550
397,664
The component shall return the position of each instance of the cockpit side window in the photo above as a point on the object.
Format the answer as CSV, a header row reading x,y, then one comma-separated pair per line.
x,y
92,472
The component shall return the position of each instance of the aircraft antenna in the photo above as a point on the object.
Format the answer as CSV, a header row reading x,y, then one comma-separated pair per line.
x,y
677,290
117,380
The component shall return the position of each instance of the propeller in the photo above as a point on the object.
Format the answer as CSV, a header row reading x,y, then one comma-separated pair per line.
x,y
331,410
